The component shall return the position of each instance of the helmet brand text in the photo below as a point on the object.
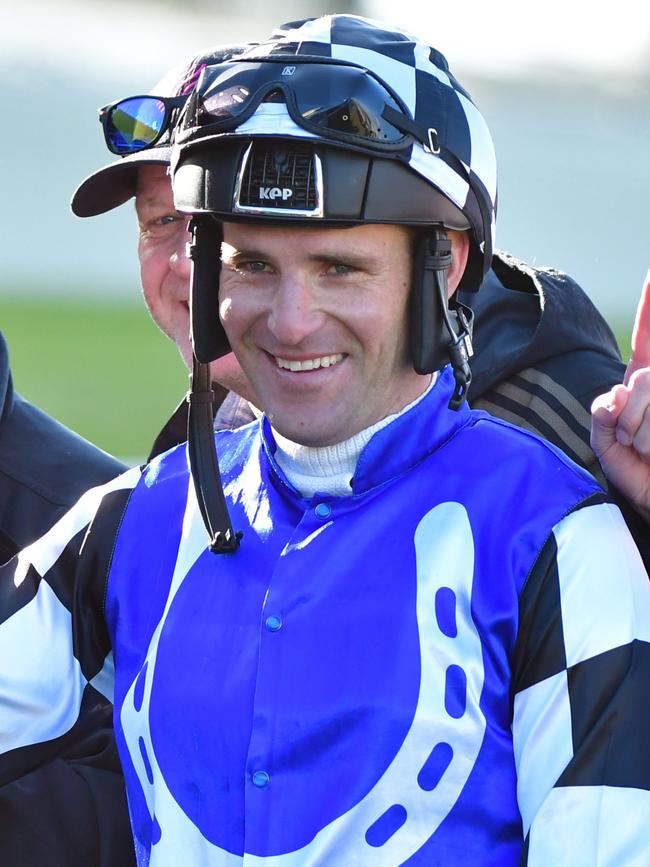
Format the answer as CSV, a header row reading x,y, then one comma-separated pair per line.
x,y
283,193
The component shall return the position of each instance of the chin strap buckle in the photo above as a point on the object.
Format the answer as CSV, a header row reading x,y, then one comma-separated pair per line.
x,y
460,352
225,541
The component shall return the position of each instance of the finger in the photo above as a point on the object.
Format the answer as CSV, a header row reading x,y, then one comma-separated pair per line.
x,y
640,356
632,415
611,404
641,441
605,411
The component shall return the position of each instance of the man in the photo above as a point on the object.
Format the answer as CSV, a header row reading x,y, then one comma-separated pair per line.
x,y
420,651
542,351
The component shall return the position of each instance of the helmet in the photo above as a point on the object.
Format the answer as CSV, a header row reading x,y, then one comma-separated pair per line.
x,y
342,121
337,121
114,184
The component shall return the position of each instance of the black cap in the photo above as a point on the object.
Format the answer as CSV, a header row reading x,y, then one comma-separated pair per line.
x,y
114,184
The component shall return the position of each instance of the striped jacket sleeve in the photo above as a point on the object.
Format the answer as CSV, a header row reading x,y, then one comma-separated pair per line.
x,y
55,654
581,701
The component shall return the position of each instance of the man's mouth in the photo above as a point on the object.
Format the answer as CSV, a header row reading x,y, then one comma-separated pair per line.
x,y
309,363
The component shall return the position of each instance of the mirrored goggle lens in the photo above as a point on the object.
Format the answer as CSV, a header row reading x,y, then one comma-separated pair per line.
x,y
335,101
134,124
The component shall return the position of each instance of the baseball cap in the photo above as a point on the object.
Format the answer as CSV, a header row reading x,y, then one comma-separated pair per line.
x,y
114,184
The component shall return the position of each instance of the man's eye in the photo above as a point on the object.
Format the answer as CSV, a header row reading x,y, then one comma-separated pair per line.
x,y
339,269
168,219
254,267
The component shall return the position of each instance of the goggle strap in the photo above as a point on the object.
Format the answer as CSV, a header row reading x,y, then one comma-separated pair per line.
x,y
401,121
428,137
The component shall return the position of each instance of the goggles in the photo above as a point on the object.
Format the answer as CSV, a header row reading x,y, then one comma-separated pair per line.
x,y
333,100
137,122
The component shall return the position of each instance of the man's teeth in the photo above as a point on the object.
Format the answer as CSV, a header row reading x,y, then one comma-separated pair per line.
x,y
309,363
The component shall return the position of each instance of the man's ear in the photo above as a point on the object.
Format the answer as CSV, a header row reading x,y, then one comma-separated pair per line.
x,y
459,255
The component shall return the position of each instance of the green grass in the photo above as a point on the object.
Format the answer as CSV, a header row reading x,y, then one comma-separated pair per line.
x,y
623,335
102,369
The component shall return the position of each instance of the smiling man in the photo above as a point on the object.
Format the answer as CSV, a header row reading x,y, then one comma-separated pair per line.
x,y
374,632
542,354
318,320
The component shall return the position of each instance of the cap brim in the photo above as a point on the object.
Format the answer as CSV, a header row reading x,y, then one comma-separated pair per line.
x,y
112,185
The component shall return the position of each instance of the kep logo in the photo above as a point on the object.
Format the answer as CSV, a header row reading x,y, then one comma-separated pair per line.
x,y
275,193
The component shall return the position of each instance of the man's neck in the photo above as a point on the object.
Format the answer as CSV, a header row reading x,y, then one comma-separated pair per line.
x,y
329,469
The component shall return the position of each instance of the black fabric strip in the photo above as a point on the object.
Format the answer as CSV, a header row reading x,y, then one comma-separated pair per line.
x,y
12,597
95,714
523,861
536,389
610,707
593,500
91,642
71,811
539,652
8,548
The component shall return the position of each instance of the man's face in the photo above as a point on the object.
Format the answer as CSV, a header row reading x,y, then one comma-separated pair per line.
x,y
318,320
165,272
164,266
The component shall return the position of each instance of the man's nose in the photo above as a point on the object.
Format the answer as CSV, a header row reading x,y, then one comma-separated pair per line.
x,y
179,261
295,313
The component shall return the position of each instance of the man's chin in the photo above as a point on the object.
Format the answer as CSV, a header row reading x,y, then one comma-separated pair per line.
x,y
313,432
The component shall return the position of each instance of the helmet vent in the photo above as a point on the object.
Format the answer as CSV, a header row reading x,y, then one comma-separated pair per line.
x,y
285,180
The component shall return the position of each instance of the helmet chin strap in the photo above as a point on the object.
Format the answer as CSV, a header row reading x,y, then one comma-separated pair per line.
x,y
208,341
438,333
204,464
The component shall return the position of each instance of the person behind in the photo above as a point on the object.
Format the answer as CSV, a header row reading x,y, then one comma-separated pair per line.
x,y
542,352
419,650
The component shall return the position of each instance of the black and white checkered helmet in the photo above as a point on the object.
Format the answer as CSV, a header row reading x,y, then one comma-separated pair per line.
x,y
449,144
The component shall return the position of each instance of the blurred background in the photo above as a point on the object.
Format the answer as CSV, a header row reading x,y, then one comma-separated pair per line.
x,y
565,89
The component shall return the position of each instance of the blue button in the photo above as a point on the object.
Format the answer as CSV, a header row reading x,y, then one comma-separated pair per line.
x,y
273,622
260,779
323,510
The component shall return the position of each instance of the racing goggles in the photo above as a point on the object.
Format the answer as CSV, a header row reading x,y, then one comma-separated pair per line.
x,y
332,100
137,122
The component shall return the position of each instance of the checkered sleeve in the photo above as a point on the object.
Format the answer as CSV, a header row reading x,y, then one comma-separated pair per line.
x,y
581,701
55,656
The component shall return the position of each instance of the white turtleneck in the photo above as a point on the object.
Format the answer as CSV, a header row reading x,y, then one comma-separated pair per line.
x,y
329,469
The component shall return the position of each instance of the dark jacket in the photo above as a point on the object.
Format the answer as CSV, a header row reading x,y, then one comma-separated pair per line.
x,y
71,812
542,354
44,467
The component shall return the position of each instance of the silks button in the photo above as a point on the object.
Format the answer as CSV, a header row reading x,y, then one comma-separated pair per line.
x,y
260,779
273,623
